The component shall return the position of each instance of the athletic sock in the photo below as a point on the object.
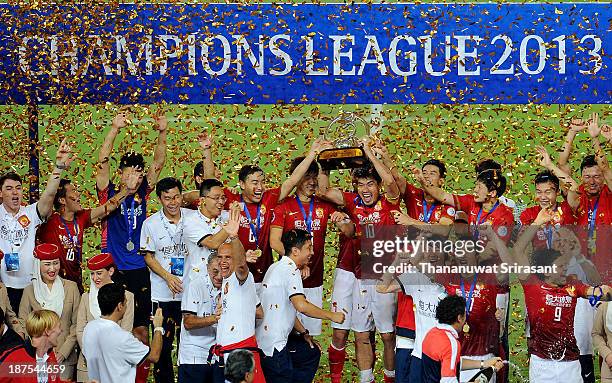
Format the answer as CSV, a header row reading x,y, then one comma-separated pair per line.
x,y
389,376
336,362
366,376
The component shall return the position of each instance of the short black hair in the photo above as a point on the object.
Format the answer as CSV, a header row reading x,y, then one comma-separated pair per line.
x,y
588,162
132,159
166,184
198,171
238,364
313,169
544,257
367,171
247,170
437,163
295,238
493,179
547,176
10,176
487,165
61,193
109,297
208,184
449,309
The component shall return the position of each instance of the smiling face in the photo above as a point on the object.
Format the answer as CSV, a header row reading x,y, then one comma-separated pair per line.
x,y
308,186
368,190
214,272
253,187
12,195
546,194
301,256
213,202
72,201
593,180
171,201
49,270
431,173
226,260
481,193
102,277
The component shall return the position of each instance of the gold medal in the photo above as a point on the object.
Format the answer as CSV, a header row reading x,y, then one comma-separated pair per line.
x,y
466,328
257,253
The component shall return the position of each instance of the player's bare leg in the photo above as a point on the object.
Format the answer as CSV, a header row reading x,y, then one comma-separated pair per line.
x,y
365,356
389,355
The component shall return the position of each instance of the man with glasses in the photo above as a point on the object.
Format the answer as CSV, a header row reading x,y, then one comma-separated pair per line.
x,y
208,228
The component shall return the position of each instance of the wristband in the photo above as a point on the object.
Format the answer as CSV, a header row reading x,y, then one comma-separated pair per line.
x,y
593,299
61,166
160,329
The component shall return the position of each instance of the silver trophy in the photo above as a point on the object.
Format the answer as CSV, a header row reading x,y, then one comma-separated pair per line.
x,y
348,151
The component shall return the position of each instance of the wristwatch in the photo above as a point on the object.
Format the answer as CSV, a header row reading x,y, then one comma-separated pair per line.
x,y
302,334
160,329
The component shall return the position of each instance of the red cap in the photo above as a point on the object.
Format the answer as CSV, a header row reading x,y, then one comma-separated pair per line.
x,y
47,252
99,261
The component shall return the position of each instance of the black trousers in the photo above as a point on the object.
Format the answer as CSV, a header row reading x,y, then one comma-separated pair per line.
x,y
163,370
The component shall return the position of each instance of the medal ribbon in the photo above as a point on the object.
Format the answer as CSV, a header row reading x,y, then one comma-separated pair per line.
x,y
480,222
75,239
307,219
427,212
254,230
592,218
130,217
468,298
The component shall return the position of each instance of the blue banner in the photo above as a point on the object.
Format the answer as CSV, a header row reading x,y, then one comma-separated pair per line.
x,y
306,54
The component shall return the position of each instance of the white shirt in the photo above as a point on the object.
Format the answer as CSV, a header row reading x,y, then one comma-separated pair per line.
x,y
112,353
17,236
197,226
282,281
166,240
425,295
200,298
238,305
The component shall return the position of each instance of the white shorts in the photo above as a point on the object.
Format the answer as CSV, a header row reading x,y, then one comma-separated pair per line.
x,y
372,309
342,297
583,325
466,375
550,371
313,295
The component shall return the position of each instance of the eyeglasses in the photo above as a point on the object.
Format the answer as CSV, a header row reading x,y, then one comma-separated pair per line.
x,y
221,199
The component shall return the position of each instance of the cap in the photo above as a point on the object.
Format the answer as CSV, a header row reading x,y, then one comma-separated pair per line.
x,y
99,261
47,252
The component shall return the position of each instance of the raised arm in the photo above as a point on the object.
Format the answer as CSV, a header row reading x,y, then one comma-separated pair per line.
x,y
331,194
63,159
595,130
206,141
437,193
393,192
113,203
159,155
290,183
381,150
576,125
573,199
103,175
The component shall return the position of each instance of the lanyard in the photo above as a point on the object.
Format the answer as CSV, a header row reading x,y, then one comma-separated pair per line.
x,y
179,229
478,221
592,218
307,219
548,231
427,212
468,298
75,239
254,230
130,217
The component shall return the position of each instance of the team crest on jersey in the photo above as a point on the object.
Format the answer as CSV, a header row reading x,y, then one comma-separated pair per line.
x,y
262,209
571,290
438,214
319,212
378,206
24,221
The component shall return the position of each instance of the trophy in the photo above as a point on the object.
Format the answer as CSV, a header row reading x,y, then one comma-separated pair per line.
x,y
348,151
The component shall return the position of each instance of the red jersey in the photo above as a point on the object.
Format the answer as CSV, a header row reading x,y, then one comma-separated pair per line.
x,y
288,216
500,218
68,236
441,355
246,235
404,322
346,254
413,199
378,214
483,337
18,365
563,216
551,318
603,215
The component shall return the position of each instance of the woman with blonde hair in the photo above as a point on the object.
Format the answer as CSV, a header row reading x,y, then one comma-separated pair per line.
x,y
48,291
101,269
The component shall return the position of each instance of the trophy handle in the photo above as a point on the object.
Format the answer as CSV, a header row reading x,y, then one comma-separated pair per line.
x,y
342,122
